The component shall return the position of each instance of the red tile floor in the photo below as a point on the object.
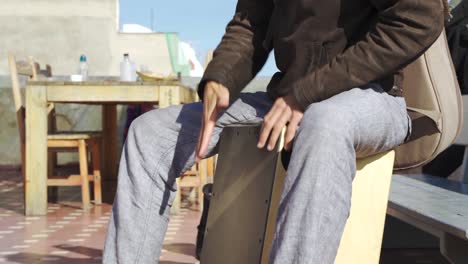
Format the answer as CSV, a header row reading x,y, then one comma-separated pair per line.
x,y
72,236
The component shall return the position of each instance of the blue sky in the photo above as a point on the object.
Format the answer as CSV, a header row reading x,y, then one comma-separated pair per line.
x,y
201,23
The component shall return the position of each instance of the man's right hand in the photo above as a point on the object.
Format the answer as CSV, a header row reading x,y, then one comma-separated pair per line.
x,y
215,100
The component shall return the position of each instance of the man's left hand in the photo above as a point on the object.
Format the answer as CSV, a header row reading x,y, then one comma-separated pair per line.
x,y
285,111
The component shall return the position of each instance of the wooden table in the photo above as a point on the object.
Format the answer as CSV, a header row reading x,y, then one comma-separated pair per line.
x,y
106,93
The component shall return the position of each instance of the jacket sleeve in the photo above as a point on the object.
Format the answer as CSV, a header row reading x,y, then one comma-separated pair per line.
x,y
241,53
403,31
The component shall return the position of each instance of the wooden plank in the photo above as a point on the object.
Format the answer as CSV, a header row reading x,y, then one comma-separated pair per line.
x,y
280,175
73,135
102,94
83,157
106,82
443,209
62,143
36,151
72,180
15,84
189,181
96,160
446,184
26,68
114,94
361,241
241,196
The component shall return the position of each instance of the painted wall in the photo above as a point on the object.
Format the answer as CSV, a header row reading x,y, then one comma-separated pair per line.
x,y
57,32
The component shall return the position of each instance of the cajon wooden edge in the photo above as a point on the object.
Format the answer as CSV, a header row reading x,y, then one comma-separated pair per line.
x,y
246,194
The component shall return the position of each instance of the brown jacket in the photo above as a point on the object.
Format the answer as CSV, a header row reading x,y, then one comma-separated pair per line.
x,y
323,47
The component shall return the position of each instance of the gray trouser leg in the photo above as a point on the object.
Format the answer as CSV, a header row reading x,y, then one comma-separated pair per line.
x,y
160,146
315,202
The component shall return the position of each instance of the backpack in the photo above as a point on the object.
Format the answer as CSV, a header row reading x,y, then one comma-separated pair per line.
x,y
457,37
434,104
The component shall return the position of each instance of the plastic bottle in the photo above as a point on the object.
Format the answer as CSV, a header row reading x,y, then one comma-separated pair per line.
x,y
83,71
127,69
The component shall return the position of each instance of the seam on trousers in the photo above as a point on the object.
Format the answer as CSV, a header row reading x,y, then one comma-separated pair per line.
x,y
153,175
137,259
152,198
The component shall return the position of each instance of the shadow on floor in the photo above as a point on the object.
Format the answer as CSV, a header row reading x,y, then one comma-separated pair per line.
x,y
412,256
172,262
181,248
89,256
28,258
86,251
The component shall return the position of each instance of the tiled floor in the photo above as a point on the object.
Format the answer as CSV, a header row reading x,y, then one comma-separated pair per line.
x,y
69,235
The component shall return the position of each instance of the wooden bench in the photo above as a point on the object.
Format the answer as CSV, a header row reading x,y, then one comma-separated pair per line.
x,y
436,205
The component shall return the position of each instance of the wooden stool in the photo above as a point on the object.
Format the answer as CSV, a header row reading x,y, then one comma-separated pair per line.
x,y
82,142
246,193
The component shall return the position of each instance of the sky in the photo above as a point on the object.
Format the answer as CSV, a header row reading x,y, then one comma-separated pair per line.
x,y
200,23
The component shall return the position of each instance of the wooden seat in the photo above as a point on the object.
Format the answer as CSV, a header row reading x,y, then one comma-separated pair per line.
x,y
73,135
246,193
437,206
82,142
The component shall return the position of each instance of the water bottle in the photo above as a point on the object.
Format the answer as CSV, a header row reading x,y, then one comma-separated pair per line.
x,y
83,71
127,69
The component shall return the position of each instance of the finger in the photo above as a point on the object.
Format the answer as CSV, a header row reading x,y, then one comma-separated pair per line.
x,y
200,135
291,131
277,129
268,123
202,127
205,139
208,123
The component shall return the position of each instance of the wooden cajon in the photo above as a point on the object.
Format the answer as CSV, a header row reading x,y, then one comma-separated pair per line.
x,y
246,194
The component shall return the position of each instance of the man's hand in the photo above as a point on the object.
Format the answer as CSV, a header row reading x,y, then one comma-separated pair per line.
x,y
215,99
285,111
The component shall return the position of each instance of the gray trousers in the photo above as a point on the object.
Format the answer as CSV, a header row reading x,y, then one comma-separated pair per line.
x,y
316,197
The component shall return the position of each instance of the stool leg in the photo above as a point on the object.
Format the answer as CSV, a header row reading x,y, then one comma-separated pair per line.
x,y
175,209
83,157
52,156
96,171
52,191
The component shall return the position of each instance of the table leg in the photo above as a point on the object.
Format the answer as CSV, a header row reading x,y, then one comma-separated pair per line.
x,y
109,151
36,151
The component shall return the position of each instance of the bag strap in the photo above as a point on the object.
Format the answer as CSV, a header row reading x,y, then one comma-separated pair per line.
x,y
433,115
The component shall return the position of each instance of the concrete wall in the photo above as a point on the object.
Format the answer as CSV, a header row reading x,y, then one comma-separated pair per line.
x,y
57,32
149,52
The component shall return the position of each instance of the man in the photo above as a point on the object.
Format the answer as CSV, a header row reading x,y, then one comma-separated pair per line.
x,y
338,93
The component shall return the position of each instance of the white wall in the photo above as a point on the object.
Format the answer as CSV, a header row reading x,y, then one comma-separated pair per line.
x,y
57,32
